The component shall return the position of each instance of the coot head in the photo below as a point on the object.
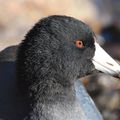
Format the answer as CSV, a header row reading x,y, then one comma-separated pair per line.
x,y
57,46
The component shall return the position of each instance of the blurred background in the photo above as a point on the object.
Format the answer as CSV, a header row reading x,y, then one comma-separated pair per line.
x,y
103,16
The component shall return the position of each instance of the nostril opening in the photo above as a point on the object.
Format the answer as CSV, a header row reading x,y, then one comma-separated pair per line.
x,y
109,63
117,76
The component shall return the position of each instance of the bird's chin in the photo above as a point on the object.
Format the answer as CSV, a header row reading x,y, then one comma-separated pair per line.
x,y
86,74
80,76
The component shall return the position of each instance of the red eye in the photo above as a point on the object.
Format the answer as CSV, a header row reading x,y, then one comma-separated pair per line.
x,y
79,44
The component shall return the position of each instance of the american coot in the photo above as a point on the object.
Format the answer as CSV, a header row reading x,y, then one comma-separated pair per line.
x,y
55,53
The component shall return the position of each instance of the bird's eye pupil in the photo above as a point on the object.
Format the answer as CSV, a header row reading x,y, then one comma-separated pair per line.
x,y
79,44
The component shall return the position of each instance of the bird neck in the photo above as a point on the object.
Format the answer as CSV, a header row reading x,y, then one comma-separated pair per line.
x,y
53,90
47,94
48,89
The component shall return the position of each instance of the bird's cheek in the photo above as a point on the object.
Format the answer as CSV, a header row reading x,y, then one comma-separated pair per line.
x,y
85,67
88,53
89,67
